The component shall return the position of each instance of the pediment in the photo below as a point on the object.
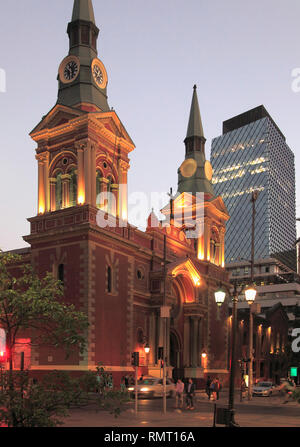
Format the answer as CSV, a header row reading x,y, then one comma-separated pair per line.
x,y
112,123
57,116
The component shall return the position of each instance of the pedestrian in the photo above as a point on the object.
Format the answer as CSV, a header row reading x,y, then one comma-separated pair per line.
x,y
213,390
123,386
190,392
243,388
126,381
141,378
131,380
218,387
207,388
288,386
179,388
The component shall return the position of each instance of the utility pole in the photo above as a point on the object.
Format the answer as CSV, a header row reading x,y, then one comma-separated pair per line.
x,y
165,332
250,381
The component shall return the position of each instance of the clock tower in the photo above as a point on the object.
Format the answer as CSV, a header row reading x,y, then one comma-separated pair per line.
x,y
82,76
195,207
83,146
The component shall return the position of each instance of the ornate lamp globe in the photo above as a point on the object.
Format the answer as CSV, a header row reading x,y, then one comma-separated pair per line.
x,y
250,294
220,297
147,349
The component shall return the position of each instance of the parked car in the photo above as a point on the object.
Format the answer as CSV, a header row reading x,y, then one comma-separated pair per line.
x,y
152,387
263,389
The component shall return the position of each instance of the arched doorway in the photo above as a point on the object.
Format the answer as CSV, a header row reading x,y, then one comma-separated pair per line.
x,y
175,355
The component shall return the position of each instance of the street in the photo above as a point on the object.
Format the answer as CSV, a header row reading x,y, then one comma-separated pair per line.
x,y
259,412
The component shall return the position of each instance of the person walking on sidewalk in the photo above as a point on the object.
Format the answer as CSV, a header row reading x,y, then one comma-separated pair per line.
x,y
179,388
207,388
218,387
213,390
190,392
243,388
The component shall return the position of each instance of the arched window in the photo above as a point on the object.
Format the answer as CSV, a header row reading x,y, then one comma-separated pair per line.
x,y
58,191
73,188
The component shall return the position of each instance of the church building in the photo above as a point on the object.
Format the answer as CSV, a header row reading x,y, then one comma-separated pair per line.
x,y
133,284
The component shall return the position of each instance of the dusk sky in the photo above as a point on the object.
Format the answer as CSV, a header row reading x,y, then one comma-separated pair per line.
x,y
240,54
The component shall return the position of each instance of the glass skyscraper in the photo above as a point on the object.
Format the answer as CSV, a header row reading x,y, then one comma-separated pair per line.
x,y
252,154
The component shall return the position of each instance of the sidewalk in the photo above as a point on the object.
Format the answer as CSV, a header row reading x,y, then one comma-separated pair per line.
x,y
201,417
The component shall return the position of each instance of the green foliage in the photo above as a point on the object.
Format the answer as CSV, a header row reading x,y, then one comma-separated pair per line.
x,y
113,401
33,303
47,403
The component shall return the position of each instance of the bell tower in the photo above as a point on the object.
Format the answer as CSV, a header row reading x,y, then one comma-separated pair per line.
x,y
195,207
82,145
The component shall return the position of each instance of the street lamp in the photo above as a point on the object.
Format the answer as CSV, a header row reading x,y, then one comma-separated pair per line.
x,y
250,294
220,297
147,348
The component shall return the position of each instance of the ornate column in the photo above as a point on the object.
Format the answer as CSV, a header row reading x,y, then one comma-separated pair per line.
x,y
93,175
80,173
87,172
186,342
222,246
46,181
41,183
123,199
194,359
207,236
52,194
200,341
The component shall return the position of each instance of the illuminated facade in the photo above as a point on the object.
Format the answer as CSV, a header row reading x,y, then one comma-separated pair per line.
x,y
252,154
115,272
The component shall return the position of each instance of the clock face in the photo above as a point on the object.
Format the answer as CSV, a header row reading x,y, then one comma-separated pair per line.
x,y
208,170
98,75
69,69
188,167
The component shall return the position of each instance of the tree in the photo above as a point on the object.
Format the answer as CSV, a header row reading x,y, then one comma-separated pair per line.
x,y
32,304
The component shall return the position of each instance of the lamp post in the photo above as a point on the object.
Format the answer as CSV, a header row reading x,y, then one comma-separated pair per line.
x,y
220,295
251,294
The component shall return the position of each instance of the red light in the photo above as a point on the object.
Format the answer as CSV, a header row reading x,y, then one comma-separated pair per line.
x,y
2,355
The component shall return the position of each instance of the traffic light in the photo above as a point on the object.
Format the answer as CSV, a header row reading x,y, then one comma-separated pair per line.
x,y
135,359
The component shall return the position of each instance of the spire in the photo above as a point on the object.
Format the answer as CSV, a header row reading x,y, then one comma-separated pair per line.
x,y
82,76
195,128
83,10
194,175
